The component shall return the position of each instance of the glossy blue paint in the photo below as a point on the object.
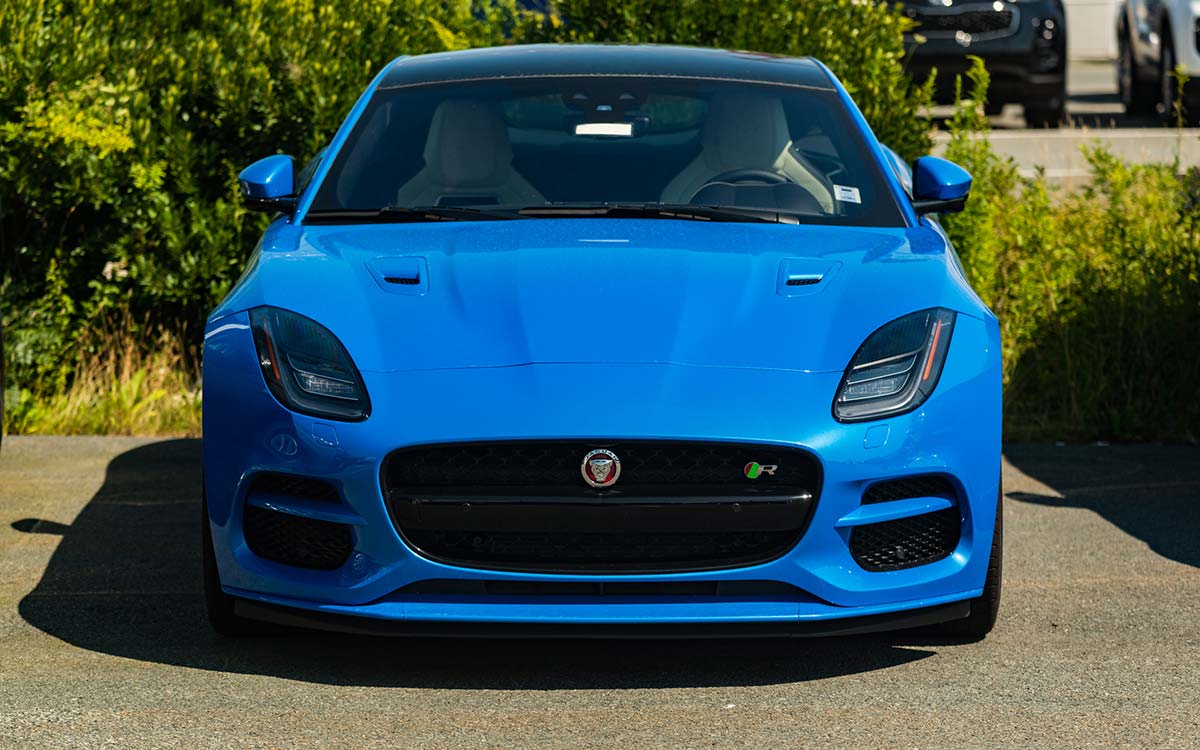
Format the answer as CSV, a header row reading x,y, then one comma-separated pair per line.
x,y
268,179
705,343
937,179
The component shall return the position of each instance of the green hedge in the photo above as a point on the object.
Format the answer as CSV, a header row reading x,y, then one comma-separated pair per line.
x,y
123,125
1097,289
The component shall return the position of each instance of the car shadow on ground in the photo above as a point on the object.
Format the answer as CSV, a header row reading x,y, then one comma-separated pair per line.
x,y
125,581
1151,492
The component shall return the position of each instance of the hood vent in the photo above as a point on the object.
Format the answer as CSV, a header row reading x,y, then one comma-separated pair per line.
x,y
804,280
403,274
801,277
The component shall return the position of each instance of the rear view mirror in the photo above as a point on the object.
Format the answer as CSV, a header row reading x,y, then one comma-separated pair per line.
x,y
939,185
269,184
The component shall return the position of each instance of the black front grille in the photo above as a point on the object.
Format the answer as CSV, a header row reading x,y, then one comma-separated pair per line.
x,y
627,551
649,468
476,587
924,485
293,540
524,505
292,485
981,21
906,542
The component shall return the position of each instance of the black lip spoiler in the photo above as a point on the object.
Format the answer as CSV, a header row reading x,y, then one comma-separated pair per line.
x,y
302,618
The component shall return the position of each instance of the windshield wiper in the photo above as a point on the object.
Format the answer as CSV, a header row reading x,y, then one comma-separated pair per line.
x,y
408,214
658,211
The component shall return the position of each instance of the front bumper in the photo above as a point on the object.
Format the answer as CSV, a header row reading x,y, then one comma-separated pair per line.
x,y
956,433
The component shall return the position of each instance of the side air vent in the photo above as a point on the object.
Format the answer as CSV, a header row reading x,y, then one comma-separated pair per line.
x,y
297,541
292,485
925,485
906,542
406,280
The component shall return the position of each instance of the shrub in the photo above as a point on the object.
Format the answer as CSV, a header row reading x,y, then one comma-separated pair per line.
x,y
1097,290
122,128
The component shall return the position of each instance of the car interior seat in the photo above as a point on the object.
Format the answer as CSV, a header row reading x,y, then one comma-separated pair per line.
x,y
746,131
468,161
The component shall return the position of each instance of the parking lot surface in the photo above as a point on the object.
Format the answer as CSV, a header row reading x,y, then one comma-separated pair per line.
x,y
1095,118
104,643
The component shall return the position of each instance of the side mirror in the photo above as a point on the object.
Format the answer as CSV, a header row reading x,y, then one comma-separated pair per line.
x,y
939,185
269,184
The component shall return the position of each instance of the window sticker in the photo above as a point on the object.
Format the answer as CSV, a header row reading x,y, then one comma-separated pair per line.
x,y
620,129
846,194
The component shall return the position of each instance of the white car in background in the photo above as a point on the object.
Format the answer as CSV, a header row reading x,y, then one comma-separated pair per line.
x,y
1154,38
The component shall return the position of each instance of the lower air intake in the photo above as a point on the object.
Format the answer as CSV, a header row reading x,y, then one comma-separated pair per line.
x,y
906,542
294,540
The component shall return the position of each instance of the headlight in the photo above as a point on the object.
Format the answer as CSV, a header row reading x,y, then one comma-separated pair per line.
x,y
896,368
306,367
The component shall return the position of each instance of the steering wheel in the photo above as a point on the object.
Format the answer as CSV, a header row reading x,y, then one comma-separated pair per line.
x,y
765,176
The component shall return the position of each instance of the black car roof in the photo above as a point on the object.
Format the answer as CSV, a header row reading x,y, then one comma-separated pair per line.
x,y
538,60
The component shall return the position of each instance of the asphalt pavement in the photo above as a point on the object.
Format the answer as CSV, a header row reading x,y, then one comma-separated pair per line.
x,y
1095,117
104,643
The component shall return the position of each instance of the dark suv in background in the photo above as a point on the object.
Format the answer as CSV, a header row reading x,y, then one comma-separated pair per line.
x,y
1023,43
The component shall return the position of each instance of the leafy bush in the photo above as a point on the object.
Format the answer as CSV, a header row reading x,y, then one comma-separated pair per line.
x,y
1097,290
123,126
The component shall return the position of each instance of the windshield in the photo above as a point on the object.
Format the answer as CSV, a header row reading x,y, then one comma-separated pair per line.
x,y
564,143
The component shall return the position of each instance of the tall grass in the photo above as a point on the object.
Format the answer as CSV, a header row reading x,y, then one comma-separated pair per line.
x,y
125,386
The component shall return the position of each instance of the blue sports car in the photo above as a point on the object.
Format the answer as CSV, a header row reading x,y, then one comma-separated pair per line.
x,y
603,340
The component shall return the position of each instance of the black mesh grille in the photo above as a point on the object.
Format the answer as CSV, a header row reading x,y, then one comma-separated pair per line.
x,y
524,505
293,540
648,468
616,551
468,586
804,282
291,485
906,542
969,21
926,485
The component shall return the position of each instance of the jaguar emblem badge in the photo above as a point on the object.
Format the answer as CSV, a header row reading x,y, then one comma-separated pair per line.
x,y
601,468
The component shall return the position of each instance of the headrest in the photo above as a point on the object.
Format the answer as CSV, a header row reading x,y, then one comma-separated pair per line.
x,y
744,131
467,145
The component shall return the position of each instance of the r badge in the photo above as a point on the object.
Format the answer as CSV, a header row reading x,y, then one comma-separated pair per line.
x,y
601,468
754,470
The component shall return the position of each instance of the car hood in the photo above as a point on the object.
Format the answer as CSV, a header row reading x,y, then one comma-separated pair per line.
x,y
508,293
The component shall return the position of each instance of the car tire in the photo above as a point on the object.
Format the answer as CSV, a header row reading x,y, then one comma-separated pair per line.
x,y
219,605
986,608
1168,88
1137,98
1166,81
1039,117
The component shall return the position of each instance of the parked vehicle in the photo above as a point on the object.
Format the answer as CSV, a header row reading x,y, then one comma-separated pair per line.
x,y
598,339
1155,38
1022,42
